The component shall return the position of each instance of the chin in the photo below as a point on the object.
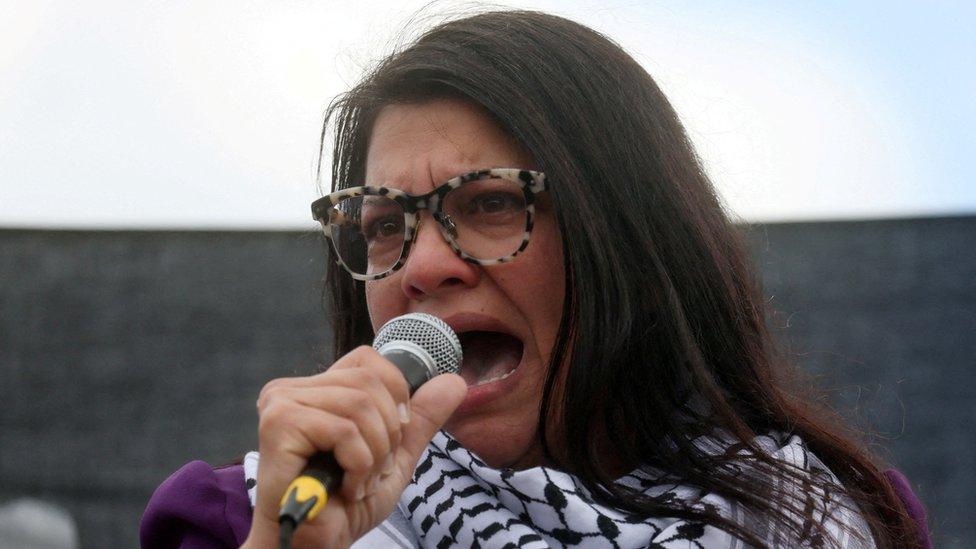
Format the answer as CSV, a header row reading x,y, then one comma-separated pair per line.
x,y
498,444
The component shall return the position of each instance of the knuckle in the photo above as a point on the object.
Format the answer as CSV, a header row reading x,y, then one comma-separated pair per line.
x,y
363,353
271,385
363,378
360,403
271,416
345,428
350,360
274,382
362,465
268,391
372,379
269,427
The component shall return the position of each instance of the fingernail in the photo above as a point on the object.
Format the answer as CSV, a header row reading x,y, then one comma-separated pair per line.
x,y
360,492
388,465
374,484
404,412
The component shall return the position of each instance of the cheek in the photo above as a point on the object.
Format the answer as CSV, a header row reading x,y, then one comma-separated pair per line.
x,y
382,302
538,285
548,267
553,291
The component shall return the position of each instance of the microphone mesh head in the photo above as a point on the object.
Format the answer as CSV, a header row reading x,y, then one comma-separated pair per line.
x,y
430,333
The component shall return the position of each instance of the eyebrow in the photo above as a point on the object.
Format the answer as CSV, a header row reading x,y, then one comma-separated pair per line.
x,y
393,182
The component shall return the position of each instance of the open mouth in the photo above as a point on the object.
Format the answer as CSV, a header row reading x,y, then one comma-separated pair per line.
x,y
489,356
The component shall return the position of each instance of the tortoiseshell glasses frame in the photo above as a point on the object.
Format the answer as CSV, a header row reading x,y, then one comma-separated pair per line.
x,y
335,219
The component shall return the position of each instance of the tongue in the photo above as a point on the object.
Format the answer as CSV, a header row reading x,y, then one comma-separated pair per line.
x,y
488,356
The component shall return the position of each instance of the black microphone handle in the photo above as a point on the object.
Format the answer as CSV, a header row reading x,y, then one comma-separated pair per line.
x,y
324,468
413,368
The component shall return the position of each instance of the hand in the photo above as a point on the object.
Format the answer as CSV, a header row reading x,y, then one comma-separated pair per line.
x,y
361,411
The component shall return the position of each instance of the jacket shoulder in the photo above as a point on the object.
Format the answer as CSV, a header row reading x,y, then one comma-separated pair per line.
x,y
198,507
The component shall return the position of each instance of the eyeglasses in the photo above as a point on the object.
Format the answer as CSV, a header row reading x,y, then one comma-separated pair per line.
x,y
486,217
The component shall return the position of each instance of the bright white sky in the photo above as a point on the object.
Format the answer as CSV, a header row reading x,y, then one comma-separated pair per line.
x,y
206,114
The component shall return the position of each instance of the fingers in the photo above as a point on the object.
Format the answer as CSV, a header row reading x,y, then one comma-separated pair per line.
x,y
365,401
348,421
353,409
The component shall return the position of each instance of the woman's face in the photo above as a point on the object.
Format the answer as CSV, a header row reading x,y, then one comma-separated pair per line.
x,y
507,315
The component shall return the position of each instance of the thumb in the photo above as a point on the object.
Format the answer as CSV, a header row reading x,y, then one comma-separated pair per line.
x,y
430,408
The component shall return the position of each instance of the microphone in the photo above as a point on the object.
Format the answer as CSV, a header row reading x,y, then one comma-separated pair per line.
x,y
421,346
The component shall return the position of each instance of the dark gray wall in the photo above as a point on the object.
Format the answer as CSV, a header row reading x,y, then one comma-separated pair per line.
x,y
883,313
126,354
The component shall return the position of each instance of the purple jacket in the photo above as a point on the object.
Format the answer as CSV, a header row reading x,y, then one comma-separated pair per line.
x,y
199,507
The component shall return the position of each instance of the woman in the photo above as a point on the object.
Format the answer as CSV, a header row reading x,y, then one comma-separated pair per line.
x,y
619,386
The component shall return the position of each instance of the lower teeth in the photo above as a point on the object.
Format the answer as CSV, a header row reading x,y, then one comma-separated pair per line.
x,y
493,379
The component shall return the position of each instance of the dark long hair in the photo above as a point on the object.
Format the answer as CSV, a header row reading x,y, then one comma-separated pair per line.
x,y
663,330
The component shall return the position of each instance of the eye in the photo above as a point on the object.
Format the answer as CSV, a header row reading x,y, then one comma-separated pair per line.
x,y
384,227
495,203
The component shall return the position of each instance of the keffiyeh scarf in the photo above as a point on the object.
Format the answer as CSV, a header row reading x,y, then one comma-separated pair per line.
x,y
456,500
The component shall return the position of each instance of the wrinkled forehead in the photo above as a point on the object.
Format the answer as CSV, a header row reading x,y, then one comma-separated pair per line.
x,y
416,147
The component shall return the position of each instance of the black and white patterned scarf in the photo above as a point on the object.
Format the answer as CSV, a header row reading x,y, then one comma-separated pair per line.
x,y
456,500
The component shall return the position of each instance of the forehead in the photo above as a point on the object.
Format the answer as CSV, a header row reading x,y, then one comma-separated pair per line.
x,y
415,147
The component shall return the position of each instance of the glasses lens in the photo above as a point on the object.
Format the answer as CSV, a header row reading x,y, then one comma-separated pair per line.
x,y
368,233
489,216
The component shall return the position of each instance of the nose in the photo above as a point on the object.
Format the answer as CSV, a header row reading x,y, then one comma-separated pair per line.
x,y
432,268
